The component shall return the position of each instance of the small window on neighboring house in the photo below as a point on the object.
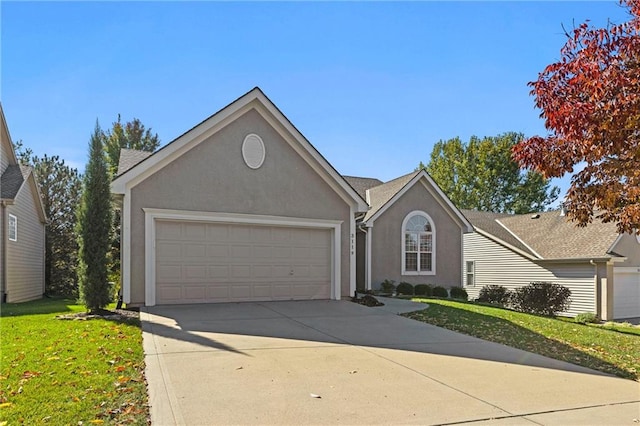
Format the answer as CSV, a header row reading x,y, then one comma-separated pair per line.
x,y
13,228
471,275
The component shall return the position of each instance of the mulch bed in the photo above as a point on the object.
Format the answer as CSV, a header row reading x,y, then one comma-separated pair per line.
x,y
122,315
367,300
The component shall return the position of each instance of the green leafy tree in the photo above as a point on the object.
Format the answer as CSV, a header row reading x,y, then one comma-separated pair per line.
x,y
482,175
60,188
131,135
94,228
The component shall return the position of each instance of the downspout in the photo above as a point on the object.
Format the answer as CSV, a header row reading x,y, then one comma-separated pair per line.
x,y
598,289
367,270
3,260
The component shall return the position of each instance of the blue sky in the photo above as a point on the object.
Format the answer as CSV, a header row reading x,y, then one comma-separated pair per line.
x,y
373,85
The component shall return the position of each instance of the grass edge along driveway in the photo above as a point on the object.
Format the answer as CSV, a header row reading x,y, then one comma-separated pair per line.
x,y
611,351
69,371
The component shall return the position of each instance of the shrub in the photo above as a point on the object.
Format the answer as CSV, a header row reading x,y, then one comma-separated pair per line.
x,y
423,290
586,318
405,288
458,293
541,298
388,286
439,291
495,294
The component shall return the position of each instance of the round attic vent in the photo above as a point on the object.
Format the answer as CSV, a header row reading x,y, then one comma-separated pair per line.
x,y
253,151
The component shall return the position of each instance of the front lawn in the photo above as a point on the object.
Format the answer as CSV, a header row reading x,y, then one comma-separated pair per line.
x,y
69,371
599,348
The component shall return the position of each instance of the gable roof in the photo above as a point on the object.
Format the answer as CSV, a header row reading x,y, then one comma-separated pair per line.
x,y
383,196
553,236
380,195
486,223
546,235
254,99
361,184
129,158
12,179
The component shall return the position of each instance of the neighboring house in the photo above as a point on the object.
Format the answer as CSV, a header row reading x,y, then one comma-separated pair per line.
x,y
243,208
600,266
22,226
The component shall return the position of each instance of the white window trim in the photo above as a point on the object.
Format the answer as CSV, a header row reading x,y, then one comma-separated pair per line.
x,y
13,219
472,273
433,244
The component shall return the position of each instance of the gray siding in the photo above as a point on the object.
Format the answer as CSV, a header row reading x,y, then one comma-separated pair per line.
x,y
386,248
495,264
25,257
212,177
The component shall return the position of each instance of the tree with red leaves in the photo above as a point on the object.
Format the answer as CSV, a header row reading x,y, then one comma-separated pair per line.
x,y
590,101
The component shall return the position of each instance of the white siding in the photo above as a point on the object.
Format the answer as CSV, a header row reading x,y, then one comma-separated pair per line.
x,y
497,265
25,257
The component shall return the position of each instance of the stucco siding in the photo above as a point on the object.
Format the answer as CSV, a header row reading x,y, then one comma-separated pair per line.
x,y
386,245
25,257
497,265
212,177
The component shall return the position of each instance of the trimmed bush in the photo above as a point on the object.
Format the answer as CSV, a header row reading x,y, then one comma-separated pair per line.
x,y
495,294
388,286
405,288
423,290
458,293
541,298
586,318
439,291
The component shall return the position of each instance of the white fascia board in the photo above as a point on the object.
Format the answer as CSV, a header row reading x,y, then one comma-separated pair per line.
x,y
361,205
444,200
431,186
519,239
505,244
182,144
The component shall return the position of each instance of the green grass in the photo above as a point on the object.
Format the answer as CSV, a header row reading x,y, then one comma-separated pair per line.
x,y
65,372
611,349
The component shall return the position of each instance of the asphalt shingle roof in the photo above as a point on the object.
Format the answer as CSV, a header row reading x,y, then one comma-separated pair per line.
x,y
361,184
548,235
12,179
129,158
381,194
553,236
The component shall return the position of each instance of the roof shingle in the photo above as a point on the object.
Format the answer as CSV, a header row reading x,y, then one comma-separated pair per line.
x,y
12,179
381,194
130,158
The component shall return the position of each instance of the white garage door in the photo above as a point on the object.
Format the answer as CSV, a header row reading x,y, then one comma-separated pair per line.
x,y
199,262
626,289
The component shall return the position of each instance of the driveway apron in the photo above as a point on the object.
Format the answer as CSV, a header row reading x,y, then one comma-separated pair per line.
x,y
337,362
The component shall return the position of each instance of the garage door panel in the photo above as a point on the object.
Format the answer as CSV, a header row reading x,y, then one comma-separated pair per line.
x,y
210,262
626,302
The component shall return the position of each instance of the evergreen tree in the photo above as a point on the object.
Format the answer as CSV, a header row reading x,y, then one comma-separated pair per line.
x,y
94,228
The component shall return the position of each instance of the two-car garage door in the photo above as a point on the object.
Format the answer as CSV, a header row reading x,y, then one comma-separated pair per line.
x,y
205,262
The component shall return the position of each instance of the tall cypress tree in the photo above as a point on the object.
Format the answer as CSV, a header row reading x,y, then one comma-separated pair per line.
x,y
94,226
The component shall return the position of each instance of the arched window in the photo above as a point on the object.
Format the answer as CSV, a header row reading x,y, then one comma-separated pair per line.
x,y
418,244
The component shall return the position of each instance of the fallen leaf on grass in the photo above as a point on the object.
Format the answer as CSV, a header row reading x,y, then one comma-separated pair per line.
x,y
96,421
120,369
6,404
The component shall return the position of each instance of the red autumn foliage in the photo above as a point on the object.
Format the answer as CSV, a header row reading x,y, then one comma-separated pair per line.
x,y
590,101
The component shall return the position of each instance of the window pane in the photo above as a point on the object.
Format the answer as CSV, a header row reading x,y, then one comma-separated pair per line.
x,y
410,242
425,243
425,261
418,224
411,262
469,280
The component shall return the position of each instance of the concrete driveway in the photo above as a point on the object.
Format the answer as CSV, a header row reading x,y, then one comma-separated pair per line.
x,y
329,362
